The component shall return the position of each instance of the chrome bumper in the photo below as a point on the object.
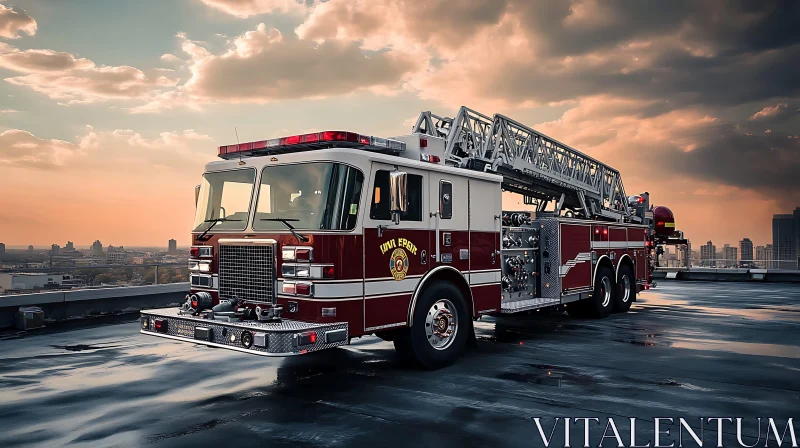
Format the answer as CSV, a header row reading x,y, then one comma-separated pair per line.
x,y
285,338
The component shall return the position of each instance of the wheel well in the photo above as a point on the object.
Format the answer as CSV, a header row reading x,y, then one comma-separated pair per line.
x,y
602,261
442,273
625,260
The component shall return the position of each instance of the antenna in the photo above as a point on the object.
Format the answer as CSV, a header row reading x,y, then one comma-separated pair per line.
x,y
241,162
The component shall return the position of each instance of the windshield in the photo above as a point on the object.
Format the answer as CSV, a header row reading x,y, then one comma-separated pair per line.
x,y
319,195
225,196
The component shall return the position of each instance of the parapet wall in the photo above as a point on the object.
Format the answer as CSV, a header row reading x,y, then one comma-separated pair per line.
x,y
64,305
727,275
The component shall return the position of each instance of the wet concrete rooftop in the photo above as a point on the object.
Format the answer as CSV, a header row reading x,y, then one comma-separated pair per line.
x,y
686,349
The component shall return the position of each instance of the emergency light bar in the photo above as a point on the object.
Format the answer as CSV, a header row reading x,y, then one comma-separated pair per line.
x,y
307,142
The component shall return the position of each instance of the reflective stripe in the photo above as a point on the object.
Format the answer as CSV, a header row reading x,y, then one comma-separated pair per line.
x,y
617,244
484,277
580,258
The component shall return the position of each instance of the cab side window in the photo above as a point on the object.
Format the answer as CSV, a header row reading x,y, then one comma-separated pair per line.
x,y
381,203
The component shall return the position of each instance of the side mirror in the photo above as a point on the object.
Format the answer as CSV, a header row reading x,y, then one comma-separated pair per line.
x,y
398,183
196,194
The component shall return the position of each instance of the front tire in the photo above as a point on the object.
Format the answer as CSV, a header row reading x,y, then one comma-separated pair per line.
x,y
439,332
602,301
626,289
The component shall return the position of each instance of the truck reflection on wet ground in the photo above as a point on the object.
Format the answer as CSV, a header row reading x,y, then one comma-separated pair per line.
x,y
679,353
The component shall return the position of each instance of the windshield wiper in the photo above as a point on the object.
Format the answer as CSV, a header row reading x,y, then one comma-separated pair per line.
x,y
285,221
213,222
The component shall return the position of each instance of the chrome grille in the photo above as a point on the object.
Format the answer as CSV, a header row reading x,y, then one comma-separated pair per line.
x,y
247,272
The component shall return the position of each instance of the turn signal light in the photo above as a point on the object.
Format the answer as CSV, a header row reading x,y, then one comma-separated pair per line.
x,y
328,272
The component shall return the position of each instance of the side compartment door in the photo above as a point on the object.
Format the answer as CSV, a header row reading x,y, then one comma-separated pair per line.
x,y
395,256
485,205
448,196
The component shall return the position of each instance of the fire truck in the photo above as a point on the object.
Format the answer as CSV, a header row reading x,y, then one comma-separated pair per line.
x,y
304,242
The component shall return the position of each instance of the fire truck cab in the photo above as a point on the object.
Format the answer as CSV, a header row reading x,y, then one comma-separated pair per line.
x,y
302,243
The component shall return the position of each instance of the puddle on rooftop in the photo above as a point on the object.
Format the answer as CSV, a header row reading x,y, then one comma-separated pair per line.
x,y
547,375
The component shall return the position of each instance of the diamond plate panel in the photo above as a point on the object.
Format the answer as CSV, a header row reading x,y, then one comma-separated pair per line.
x,y
549,239
280,336
247,272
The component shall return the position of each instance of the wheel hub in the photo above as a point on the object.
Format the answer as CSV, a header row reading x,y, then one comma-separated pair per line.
x,y
625,288
441,324
605,291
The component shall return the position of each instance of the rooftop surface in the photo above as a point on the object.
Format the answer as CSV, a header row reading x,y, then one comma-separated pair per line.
x,y
686,349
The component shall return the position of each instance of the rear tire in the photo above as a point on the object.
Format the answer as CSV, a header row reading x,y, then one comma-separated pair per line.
x,y
626,289
439,332
602,301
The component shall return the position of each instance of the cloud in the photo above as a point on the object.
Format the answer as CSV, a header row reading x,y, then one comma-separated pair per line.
x,y
62,76
519,53
400,24
769,111
43,61
262,66
247,8
23,149
118,149
15,23
170,58
679,143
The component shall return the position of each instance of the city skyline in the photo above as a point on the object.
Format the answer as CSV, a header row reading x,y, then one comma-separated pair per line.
x,y
110,135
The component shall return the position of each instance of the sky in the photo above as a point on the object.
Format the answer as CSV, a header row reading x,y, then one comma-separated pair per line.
x,y
109,110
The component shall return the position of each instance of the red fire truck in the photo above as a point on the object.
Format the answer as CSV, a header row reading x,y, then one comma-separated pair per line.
x,y
304,242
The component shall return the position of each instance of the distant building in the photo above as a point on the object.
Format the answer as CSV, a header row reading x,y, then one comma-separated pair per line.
x,y
55,249
26,281
786,240
117,257
173,247
687,255
30,248
730,256
97,248
761,256
70,246
745,252
2,249
708,255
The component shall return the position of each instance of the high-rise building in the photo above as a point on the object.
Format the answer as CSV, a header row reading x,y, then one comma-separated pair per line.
x,y
2,249
70,246
55,249
97,248
745,252
173,247
708,255
30,248
786,240
729,256
761,256
770,255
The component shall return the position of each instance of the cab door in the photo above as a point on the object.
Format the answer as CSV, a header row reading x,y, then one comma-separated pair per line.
x,y
396,256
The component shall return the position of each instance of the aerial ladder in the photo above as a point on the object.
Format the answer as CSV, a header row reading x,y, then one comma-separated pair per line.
x,y
541,169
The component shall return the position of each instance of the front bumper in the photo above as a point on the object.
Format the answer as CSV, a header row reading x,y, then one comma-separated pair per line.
x,y
285,338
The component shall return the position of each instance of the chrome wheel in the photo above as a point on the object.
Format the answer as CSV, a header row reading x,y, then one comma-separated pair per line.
x,y
441,324
605,291
625,288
